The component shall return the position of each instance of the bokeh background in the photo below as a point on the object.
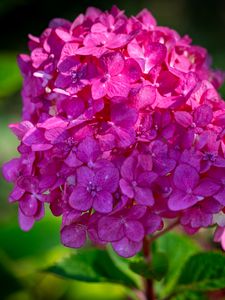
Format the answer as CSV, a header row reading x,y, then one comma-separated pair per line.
x,y
23,256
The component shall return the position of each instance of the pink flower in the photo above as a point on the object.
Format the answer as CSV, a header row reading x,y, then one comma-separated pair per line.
x,y
124,230
122,128
136,182
189,189
111,82
94,189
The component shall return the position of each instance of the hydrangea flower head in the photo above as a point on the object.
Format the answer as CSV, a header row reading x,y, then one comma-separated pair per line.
x,y
122,129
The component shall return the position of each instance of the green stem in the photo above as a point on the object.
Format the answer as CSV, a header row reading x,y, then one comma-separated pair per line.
x,y
168,228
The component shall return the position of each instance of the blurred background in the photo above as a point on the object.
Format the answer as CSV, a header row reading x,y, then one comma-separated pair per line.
x,y
24,255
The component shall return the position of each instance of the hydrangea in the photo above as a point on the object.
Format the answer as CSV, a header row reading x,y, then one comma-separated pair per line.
x,y
122,130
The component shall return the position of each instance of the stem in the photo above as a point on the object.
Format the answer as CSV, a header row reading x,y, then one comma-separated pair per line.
x,y
149,289
168,228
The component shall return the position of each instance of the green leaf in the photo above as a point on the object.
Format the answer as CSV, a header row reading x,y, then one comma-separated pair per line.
x,y
178,248
43,237
190,296
203,272
91,265
156,269
10,78
8,282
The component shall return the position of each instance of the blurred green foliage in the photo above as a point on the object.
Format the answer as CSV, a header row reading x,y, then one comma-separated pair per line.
x,y
23,256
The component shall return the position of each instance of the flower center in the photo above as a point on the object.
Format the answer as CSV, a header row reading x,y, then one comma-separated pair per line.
x,y
209,156
93,189
105,78
70,141
134,183
189,191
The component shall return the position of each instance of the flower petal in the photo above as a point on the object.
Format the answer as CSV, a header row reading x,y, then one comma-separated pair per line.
x,y
134,231
180,201
80,199
73,236
103,202
185,177
144,196
127,248
110,229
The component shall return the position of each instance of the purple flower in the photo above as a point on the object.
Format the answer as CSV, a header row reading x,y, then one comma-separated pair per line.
x,y
136,183
124,230
189,188
94,189
111,82
122,128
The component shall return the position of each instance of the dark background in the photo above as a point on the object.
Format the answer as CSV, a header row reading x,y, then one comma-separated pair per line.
x,y
23,255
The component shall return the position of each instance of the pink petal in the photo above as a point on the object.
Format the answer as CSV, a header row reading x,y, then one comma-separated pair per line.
x,y
122,115
110,229
28,205
80,199
94,51
144,196
98,90
126,188
132,70
73,236
167,82
179,201
183,118
38,56
134,231
10,169
103,202
98,27
185,177
34,136
206,188
107,178
119,40
84,176
146,178
220,197
146,18
28,183
136,212
25,222
219,162
155,54
146,96
151,223
16,194
128,168
124,137
112,63
118,86
20,129
88,150
203,115
127,248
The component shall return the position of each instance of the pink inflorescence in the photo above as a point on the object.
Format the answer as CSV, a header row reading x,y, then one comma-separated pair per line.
x,y
122,128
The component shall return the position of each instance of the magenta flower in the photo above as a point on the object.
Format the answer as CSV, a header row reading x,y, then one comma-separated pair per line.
x,y
136,183
111,82
122,128
31,201
189,188
94,189
124,230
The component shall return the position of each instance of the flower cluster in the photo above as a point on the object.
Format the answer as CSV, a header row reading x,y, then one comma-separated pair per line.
x,y
122,128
